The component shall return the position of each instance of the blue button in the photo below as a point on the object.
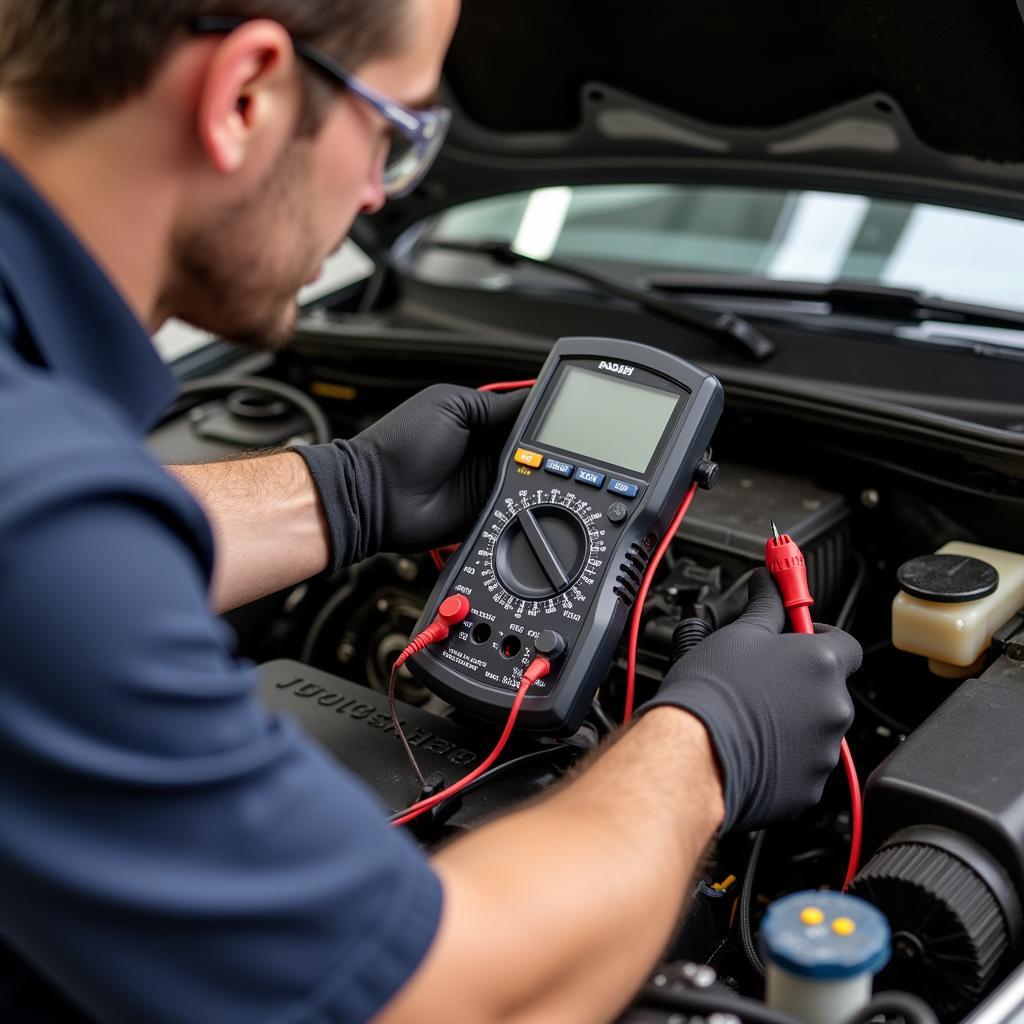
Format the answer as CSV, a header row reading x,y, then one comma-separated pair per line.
x,y
622,490
558,468
589,477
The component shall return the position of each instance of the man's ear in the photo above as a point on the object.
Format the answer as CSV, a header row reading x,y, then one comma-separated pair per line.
x,y
245,92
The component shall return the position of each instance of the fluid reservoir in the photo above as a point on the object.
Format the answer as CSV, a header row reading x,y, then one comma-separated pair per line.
x,y
822,950
951,602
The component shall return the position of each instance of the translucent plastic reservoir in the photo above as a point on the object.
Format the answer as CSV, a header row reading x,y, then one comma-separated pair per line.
x,y
822,950
957,634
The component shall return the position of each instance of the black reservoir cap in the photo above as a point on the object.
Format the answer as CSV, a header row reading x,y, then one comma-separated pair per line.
x,y
947,579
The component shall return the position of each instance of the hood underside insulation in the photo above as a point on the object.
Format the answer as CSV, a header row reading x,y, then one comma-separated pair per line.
x,y
955,67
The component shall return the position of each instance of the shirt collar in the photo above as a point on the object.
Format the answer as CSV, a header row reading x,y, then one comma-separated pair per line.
x,y
75,317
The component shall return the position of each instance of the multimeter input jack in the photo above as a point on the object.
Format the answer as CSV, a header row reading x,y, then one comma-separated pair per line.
x,y
511,646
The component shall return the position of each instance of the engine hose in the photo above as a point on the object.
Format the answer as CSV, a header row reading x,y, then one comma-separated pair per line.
x,y
708,1004
693,1001
894,1004
687,635
747,906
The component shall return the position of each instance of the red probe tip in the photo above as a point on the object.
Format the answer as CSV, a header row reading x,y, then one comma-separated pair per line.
x,y
786,563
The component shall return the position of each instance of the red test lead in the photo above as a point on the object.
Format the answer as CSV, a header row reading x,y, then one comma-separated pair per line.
x,y
538,669
452,611
788,567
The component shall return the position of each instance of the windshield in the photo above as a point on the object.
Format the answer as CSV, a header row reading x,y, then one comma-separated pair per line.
x,y
773,234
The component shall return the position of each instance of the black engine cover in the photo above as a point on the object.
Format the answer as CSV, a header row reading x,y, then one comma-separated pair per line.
x,y
354,724
962,769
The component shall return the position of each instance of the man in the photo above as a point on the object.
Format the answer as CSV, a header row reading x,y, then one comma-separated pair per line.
x,y
170,851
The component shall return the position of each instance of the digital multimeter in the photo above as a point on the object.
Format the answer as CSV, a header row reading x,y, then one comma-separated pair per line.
x,y
595,469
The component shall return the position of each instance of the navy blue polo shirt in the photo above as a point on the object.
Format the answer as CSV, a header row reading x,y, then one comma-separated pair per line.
x,y
169,850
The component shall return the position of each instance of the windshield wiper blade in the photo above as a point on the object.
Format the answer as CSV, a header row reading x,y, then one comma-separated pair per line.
x,y
851,297
740,335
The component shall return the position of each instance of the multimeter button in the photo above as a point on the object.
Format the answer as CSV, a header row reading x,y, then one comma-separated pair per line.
x,y
528,458
589,477
617,512
623,490
558,468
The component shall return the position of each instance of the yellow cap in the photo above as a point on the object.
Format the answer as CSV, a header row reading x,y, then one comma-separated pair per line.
x,y
843,926
812,915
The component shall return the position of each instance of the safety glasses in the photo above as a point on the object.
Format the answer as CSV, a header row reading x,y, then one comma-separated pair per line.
x,y
416,135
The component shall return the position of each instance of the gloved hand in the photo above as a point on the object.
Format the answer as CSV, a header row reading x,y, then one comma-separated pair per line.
x,y
775,706
418,477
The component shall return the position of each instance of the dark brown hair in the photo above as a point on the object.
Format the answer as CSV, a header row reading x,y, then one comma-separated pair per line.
x,y
66,59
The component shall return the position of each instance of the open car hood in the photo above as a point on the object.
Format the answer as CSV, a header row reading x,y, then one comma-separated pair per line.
x,y
913,99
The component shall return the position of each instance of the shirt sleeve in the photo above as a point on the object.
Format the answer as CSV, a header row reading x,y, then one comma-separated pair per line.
x,y
171,851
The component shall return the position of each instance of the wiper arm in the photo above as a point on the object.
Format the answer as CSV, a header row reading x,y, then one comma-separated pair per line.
x,y
851,297
740,335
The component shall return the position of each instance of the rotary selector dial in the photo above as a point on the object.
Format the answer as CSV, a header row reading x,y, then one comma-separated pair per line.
x,y
541,552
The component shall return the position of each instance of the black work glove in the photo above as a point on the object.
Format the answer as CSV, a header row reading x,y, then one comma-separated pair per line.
x,y
775,706
418,477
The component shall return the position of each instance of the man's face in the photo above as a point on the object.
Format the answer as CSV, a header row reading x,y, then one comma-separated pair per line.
x,y
238,275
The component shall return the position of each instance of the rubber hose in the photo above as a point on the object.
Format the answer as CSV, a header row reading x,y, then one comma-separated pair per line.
x,y
687,635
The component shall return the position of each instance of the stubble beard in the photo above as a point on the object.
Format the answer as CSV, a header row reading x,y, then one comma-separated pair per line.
x,y
233,279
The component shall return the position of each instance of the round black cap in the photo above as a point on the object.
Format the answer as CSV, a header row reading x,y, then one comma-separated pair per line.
x,y
550,644
947,578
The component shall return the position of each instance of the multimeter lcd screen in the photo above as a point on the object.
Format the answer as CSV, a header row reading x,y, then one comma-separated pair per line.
x,y
606,418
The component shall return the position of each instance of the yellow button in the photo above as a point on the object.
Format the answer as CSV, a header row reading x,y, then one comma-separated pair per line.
x,y
526,458
843,926
811,916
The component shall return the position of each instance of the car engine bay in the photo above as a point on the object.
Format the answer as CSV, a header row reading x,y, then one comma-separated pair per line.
x,y
862,494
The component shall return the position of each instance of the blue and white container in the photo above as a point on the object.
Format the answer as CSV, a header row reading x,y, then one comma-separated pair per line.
x,y
822,951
